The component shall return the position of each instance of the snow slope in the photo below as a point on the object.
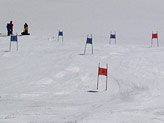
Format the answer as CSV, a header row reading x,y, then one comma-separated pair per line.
x,y
48,81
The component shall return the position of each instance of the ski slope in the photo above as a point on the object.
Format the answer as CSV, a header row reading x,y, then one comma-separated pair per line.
x,y
50,81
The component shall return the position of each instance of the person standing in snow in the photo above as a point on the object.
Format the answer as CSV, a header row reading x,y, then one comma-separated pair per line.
x,y
8,29
11,28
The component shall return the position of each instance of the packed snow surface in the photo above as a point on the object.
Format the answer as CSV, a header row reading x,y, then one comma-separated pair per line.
x,y
50,81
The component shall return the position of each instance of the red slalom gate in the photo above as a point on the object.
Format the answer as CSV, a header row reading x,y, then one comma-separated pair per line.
x,y
104,72
154,36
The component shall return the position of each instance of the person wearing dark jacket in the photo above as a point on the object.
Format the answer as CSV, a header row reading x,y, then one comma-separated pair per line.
x,y
8,29
11,27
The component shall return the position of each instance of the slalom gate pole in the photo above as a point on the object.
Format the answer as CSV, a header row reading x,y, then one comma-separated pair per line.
x,y
92,48
115,37
92,44
107,77
17,45
10,46
98,77
157,43
97,82
115,40
110,38
58,34
85,48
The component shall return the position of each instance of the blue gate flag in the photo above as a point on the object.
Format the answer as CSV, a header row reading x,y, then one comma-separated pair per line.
x,y
60,33
14,38
113,36
89,41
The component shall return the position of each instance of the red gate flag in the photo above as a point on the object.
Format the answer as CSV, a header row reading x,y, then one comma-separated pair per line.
x,y
102,71
155,35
